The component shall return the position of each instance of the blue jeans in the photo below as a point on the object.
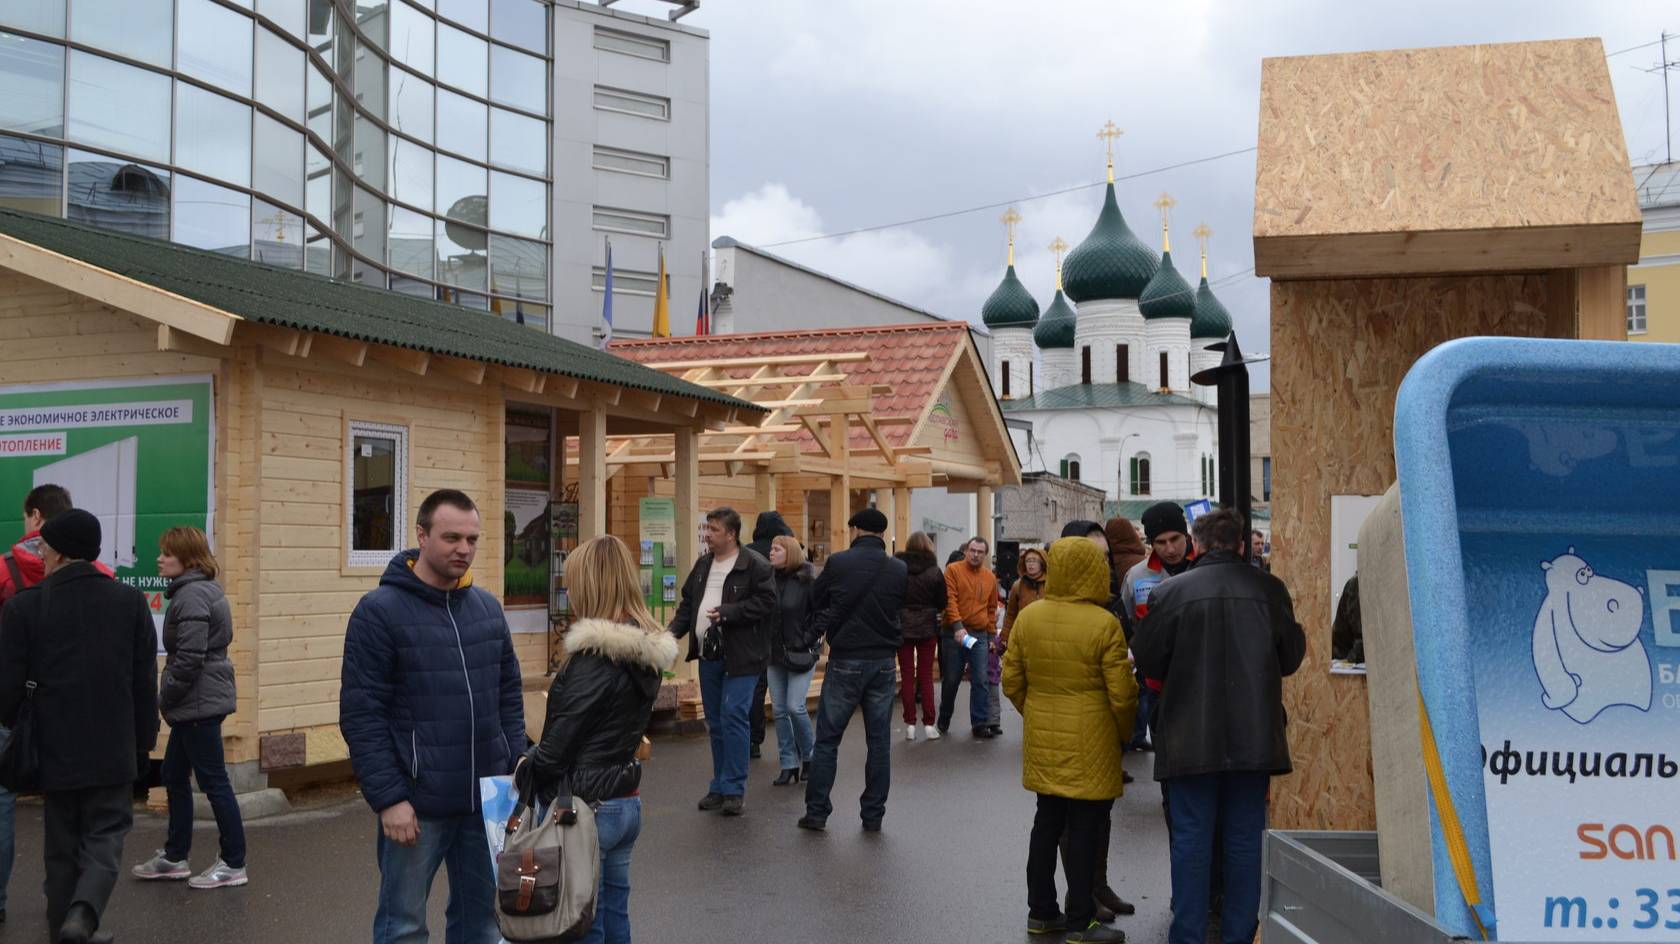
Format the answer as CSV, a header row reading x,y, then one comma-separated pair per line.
x,y
727,700
788,693
405,882
618,823
848,683
1234,805
195,748
1145,707
8,828
952,659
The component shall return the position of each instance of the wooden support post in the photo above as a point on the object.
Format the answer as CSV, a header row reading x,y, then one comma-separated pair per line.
x,y
983,512
764,491
592,473
1601,303
885,503
688,499
840,485
901,516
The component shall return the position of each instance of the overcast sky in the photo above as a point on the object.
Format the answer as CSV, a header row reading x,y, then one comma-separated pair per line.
x,y
833,115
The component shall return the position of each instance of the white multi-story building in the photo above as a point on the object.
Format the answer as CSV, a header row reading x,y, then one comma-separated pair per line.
x,y
1109,401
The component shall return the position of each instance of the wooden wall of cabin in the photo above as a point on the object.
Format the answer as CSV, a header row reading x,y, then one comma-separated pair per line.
x,y
49,334
1339,351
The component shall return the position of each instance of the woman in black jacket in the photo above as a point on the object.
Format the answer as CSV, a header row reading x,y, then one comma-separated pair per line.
x,y
793,658
598,707
924,600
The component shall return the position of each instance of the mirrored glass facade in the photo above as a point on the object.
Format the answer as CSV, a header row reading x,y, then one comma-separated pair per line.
x,y
299,133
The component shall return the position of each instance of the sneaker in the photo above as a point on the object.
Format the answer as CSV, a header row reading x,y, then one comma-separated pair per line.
x,y
812,823
732,806
220,875
1055,925
909,732
933,733
710,802
160,866
1097,934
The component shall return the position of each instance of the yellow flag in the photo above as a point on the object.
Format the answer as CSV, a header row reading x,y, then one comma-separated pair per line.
x,y
662,303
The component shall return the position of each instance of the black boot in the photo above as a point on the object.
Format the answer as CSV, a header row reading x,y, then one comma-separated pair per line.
x,y
78,925
805,771
787,776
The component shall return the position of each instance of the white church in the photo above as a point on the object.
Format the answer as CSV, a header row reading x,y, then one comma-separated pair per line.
x,y
1102,377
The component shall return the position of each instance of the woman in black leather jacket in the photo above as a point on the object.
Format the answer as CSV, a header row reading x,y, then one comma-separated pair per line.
x,y
793,659
598,708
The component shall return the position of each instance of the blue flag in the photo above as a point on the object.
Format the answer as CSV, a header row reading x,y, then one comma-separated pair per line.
x,y
606,303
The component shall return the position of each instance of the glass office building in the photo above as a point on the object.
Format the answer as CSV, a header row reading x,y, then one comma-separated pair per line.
x,y
400,144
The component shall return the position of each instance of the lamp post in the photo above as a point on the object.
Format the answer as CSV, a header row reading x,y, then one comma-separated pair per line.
x,y
1231,379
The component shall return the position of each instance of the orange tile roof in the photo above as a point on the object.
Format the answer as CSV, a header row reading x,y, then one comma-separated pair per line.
x,y
909,358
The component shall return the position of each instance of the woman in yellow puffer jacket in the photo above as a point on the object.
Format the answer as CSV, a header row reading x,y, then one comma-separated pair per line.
x,y
1067,672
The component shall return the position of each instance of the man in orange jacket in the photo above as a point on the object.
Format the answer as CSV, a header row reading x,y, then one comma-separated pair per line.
x,y
971,607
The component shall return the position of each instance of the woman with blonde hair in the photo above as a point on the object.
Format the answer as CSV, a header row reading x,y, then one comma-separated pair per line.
x,y
196,694
598,708
793,658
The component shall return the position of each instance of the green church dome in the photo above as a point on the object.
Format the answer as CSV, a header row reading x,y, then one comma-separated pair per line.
x,y
1211,320
1112,262
1010,304
1055,329
1167,295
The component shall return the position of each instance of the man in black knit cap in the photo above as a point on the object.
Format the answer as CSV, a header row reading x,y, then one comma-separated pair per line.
x,y
82,648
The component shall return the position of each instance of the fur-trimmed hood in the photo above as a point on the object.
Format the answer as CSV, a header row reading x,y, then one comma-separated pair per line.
x,y
622,643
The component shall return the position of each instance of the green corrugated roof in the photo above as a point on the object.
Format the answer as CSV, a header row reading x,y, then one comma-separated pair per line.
x,y
1010,304
1096,396
292,298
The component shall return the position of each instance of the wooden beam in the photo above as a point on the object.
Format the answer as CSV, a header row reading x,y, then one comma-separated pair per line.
x,y
401,358
592,473
566,387
720,362
350,352
725,383
687,474
887,451
901,514
461,368
687,406
519,378
1601,303
180,342
764,492
983,513
275,338
118,291
886,501
643,400
604,394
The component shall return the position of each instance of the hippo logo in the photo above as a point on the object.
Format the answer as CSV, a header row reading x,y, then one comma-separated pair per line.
x,y
1587,651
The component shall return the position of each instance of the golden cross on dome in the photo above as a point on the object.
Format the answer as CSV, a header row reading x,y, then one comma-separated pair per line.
x,y
1165,203
1010,218
1108,133
1202,232
1058,247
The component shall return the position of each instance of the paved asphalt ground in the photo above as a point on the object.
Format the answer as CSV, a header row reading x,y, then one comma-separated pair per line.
x,y
949,866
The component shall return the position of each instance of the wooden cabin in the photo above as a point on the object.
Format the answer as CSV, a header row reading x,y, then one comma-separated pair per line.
x,y
301,421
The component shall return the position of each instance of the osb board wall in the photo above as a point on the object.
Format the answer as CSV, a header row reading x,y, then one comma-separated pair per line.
x,y
1339,352
1522,138
48,334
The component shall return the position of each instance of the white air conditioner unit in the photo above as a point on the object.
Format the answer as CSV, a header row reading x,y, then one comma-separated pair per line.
x,y
102,482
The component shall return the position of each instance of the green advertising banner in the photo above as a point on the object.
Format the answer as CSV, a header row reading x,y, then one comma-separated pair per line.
x,y
135,453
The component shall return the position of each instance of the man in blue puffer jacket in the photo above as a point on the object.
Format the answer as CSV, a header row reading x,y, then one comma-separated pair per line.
x,y
429,702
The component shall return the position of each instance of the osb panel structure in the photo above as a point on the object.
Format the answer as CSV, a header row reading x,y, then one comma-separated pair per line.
x,y
1456,159
1349,344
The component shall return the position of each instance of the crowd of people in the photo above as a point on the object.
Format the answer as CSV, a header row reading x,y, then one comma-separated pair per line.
x,y
1175,640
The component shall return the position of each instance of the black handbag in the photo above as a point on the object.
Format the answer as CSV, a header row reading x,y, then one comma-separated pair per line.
x,y
20,762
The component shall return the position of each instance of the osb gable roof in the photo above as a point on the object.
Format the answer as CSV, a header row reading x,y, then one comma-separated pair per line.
x,y
1512,135
911,359
307,302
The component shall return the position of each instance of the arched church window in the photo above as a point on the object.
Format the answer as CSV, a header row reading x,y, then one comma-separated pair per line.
x,y
1085,364
1140,474
1122,363
1005,380
1164,380
1070,467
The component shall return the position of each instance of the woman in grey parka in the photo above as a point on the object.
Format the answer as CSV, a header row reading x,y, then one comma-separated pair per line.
x,y
196,694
